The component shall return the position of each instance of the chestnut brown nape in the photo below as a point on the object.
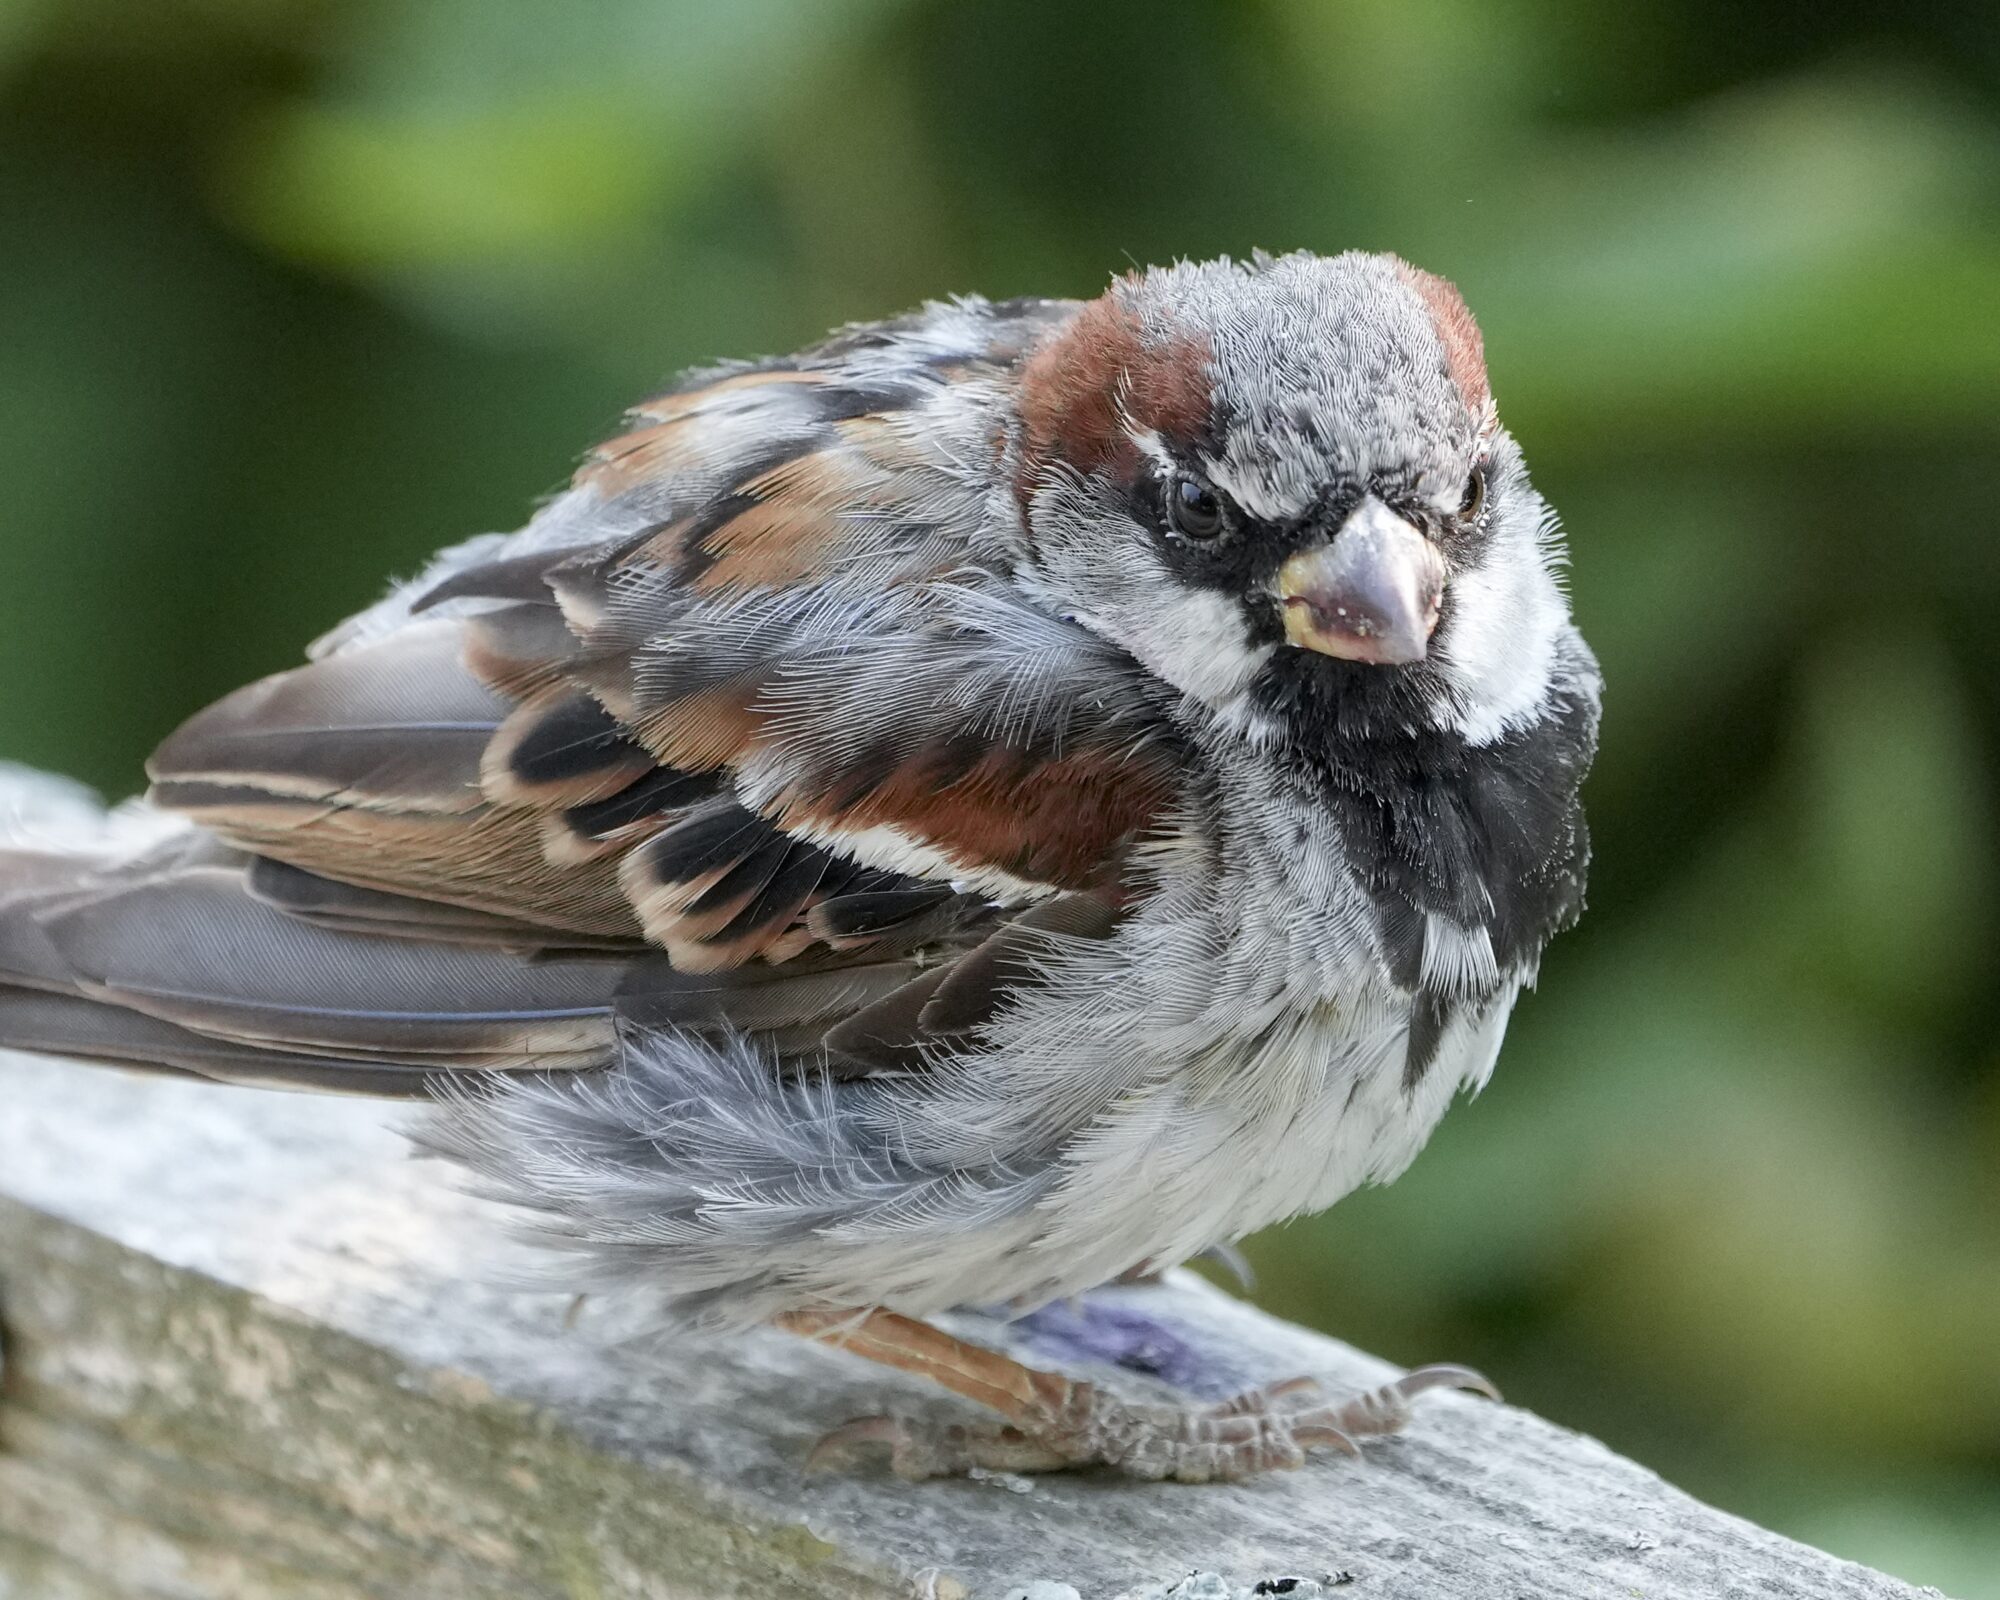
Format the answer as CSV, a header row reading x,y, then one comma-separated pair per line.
x,y
1096,380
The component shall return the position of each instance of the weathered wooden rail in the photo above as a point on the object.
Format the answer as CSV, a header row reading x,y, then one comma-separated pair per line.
x,y
253,1349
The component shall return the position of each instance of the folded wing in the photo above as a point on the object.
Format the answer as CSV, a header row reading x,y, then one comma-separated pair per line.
x,y
748,730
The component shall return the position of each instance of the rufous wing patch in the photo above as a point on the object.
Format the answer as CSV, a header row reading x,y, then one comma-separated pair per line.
x,y
1054,820
712,727
686,402
668,435
796,517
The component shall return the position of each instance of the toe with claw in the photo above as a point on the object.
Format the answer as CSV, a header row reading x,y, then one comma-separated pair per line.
x,y
1260,1430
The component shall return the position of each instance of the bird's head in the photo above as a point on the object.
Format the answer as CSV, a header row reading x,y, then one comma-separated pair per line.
x,y
1283,487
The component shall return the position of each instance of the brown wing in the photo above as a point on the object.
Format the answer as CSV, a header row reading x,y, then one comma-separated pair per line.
x,y
748,729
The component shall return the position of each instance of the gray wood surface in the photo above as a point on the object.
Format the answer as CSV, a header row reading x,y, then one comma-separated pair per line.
x,y
254,1349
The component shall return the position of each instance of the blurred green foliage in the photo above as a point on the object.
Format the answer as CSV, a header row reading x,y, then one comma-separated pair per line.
x,y
292,291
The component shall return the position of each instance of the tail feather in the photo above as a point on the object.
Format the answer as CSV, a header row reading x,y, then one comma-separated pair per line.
x,y
195,948
91,1030
137,939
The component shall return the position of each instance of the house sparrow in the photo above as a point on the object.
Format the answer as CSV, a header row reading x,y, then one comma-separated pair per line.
x,y
1010,796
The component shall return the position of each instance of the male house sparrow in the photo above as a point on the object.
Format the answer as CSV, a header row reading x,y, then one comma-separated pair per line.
x,y
1007,797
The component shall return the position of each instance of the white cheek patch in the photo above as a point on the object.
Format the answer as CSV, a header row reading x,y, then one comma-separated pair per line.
x,y
1195,639
1116,585
1506,616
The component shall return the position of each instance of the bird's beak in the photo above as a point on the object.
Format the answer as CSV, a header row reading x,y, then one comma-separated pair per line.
x,y
1371,593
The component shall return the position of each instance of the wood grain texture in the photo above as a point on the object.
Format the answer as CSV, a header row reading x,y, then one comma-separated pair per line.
x,y
245,1357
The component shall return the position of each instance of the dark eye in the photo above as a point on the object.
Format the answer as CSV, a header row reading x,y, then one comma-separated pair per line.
x,y
1474,501
1193,510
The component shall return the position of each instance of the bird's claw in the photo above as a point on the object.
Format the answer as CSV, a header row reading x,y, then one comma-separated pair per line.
x,y
1260,1430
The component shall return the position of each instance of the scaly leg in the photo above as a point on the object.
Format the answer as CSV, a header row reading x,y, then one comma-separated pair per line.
x,y
1053,1422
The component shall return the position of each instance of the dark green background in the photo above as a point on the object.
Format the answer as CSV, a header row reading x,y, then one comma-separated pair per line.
x,y
291,293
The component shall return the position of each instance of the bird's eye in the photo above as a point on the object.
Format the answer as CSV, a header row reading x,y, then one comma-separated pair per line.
x,y
1193,510
1474,500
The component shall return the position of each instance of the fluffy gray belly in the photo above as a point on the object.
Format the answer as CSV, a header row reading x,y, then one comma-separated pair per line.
x,y
726,1193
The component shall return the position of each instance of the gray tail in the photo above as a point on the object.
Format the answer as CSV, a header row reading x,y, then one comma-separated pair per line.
x,y
135,938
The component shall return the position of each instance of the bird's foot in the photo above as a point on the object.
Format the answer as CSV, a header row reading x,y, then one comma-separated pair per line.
x,y
1079,1425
